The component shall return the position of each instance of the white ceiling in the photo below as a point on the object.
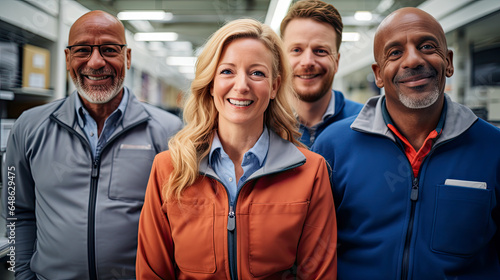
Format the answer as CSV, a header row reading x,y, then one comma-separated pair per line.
x,y
195,20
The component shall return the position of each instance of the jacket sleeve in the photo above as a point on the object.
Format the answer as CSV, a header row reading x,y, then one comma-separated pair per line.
x,y
496,218
155,251
317,252
19,203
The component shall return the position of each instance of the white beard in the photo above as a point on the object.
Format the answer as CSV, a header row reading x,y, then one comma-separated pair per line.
x,y
419,103
98,94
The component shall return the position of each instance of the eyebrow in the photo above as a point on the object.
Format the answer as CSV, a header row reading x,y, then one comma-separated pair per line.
x,y
429,38
233,65
87,42
420,40
391,45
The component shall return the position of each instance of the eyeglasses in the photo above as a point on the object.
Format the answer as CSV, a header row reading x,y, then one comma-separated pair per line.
x,y
85,51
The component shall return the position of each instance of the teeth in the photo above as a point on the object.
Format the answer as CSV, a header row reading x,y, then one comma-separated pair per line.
x,y
307,76
240,103
97,78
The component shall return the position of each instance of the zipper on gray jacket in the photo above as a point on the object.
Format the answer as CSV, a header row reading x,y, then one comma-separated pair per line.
x,y
94,180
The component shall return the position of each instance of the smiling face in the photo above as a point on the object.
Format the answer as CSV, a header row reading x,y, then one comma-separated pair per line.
x,y
243,85
312,51
412,59
97,79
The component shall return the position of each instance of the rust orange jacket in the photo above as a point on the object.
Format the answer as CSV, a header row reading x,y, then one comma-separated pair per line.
x,y
285,222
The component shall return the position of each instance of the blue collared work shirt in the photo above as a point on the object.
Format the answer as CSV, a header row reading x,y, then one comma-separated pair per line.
x,y
253,160
309,133
89,126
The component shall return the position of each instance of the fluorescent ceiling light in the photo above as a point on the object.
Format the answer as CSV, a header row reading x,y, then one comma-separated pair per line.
x,y
189,76
180,46
156,46
384,5
363,16
142,25
181,60
350,36
156,36
144,15
276,12
186,69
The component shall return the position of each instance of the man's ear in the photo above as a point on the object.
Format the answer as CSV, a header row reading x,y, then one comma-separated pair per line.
x,y
378,79
66,53
337,59
129,58
449,64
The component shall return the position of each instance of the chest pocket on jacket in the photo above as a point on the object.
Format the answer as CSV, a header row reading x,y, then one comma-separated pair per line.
x,y
274,233
130,172
462,220
192,229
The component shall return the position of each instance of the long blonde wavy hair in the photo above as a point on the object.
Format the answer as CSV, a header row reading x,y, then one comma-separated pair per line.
x,y
190,145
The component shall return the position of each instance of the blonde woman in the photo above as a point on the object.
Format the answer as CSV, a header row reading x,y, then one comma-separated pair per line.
x,y
236,196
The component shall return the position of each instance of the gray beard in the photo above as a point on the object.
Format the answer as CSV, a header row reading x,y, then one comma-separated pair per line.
x,y
419,103
99,94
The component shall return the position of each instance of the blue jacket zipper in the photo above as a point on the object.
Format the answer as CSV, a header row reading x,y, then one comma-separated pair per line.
x,y
414,198
409,231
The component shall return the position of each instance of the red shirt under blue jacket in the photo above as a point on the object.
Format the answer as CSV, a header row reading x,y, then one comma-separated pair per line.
x,y
399,214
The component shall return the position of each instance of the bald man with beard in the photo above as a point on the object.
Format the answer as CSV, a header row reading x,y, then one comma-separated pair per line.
x,y
80,165
415,176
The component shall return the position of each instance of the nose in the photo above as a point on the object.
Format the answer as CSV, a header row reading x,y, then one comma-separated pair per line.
x,y
412,59
96,61
241,83
307,58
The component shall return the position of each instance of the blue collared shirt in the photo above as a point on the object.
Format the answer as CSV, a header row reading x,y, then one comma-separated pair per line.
x,y
253,160
89,126
310,132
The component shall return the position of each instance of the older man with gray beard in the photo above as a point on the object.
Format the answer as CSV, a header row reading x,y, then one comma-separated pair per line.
x,y
415,176
82,163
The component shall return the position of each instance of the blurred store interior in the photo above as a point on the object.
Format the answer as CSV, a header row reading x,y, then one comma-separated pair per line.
x,y
33,35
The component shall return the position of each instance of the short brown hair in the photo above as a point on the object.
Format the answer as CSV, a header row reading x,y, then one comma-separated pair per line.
x,y
318,11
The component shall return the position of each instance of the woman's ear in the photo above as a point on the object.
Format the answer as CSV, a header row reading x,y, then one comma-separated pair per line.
x,y
275,87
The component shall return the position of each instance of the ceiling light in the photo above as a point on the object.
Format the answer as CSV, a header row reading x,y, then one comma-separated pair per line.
x,y
186,69
181,60
142,25
156,36
144,15
276,12
350,36
384,5
155,46
363,16
180,46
